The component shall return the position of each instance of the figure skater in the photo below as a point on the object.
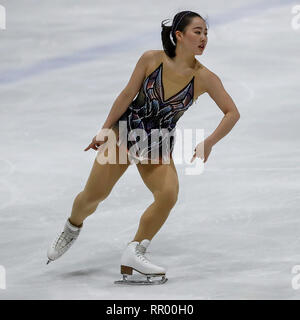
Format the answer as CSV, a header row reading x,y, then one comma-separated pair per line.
x,y
163,85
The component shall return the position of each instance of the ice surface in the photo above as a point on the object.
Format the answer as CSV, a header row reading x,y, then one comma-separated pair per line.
x,y
234,232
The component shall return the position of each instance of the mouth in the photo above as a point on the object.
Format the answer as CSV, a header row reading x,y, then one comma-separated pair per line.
x,y
202,46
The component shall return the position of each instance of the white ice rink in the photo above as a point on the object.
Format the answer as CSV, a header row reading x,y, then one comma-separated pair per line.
x,y
235,230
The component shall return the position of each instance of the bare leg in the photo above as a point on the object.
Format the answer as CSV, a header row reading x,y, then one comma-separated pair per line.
x,y
162,181
101,181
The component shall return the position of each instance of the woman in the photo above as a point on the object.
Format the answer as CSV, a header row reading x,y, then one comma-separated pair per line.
x,y
167,82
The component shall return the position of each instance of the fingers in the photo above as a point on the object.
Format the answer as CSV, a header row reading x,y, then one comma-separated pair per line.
x,y
91,146
193,158
95,147
96,144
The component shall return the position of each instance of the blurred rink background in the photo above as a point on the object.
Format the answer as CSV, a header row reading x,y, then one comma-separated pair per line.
x,y
234,232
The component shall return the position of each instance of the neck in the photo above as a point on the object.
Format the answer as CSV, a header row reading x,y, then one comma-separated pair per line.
x,y
184,59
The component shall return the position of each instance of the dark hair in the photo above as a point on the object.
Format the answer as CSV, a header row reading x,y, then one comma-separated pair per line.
x,y
180,21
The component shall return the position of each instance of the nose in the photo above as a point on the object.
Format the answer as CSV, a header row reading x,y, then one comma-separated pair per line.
x,y
203,37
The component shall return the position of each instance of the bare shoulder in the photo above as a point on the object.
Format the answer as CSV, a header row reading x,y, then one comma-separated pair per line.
x,y
201,73
152,59
212,84
148,59
210,78
139,73
150,54
205,80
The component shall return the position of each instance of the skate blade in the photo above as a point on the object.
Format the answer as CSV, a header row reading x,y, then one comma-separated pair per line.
x,y
149,281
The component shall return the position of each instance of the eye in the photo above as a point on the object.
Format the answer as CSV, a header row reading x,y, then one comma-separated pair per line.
x,y
200,33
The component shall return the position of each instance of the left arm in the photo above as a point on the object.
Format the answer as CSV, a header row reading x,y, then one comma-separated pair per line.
x,y
217,92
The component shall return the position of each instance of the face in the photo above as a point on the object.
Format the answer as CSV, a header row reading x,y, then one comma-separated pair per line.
x,y
195,37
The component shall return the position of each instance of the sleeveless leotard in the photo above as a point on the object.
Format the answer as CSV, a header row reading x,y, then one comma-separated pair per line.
x,y
149,110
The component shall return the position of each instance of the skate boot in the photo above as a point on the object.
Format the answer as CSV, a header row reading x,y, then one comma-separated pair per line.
x,y
133,258
63,242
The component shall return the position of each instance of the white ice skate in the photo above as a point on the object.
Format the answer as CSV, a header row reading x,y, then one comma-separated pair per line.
x,y
133,258
63,242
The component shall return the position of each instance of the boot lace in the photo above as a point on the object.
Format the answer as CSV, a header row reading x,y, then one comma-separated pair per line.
x,y
65,239
140,252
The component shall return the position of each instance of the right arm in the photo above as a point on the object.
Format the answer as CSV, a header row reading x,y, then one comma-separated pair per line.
x,y
126,96
133,86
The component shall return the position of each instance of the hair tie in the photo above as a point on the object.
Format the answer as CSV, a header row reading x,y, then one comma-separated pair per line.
x,y
171,38
176,25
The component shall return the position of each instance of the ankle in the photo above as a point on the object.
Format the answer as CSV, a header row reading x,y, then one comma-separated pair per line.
x,y
75,224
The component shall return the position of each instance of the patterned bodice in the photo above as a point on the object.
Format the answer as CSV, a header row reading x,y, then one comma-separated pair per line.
x,y
149,110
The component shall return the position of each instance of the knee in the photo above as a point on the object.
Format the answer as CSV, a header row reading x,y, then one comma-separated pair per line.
x,y
167,197
92,198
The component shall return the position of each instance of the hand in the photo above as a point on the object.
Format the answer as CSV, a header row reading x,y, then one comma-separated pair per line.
x,y
95,144
202,150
